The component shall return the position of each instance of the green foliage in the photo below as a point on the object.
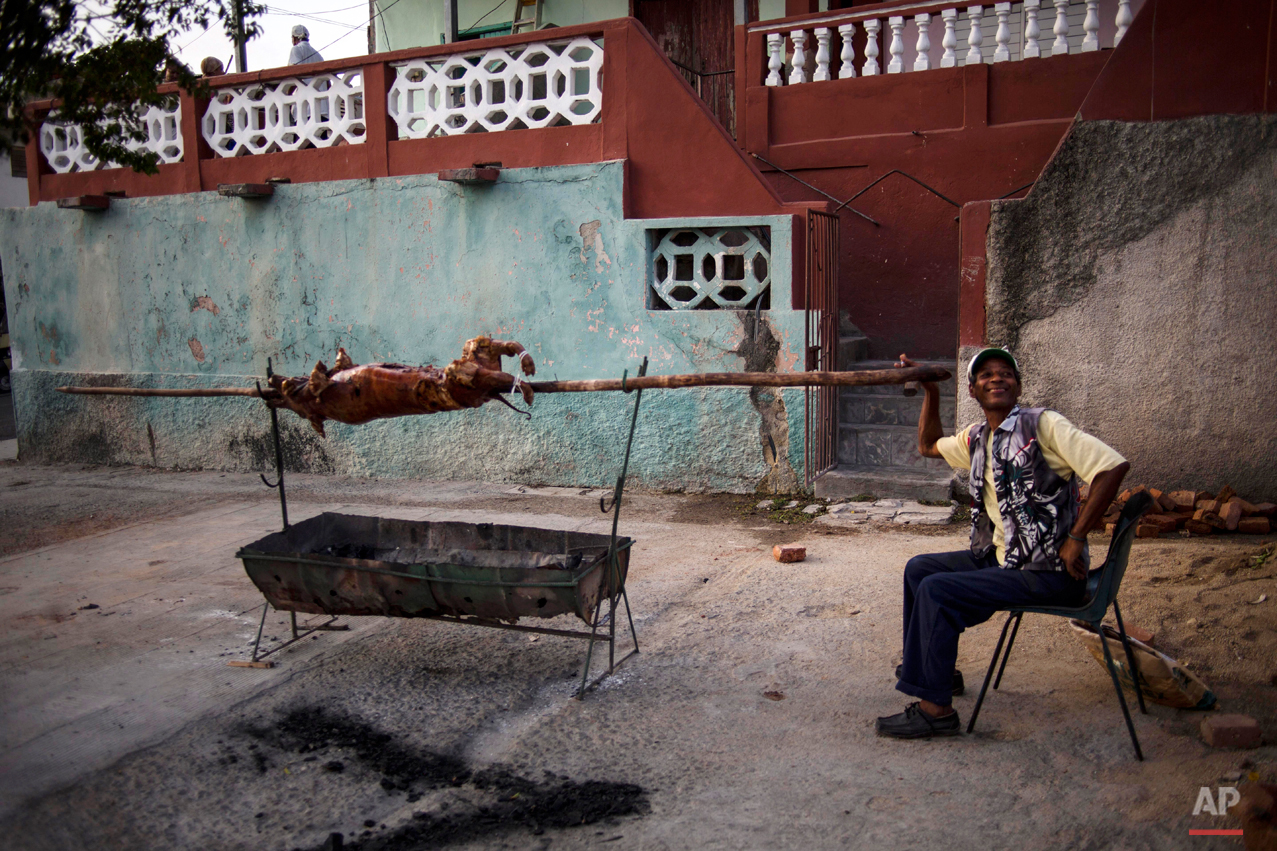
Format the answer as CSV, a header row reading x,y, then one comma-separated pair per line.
x,y
101,62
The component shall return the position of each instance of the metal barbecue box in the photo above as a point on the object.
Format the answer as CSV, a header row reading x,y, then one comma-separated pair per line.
x,y
343,564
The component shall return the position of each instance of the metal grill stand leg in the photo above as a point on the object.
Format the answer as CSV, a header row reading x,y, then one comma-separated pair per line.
x,y
258,642
589,653
630,616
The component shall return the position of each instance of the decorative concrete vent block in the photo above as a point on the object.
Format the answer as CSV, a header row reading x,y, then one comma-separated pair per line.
x,y
63,144
286,115
547,84
710,269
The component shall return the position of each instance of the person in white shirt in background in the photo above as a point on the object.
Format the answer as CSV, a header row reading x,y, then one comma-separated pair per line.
x,y
302,53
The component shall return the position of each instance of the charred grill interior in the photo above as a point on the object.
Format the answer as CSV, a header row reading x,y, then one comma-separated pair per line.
x,y
341,564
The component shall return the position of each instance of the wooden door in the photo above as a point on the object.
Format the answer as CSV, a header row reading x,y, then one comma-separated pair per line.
x,y
698,37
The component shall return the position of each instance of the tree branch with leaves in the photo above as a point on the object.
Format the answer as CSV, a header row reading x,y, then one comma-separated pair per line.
x,y
101,63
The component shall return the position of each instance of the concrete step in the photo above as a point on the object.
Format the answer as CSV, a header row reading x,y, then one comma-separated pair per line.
x,y
885,482
875,409
867,446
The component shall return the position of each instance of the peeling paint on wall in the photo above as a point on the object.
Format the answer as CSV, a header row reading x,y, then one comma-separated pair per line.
x,y
205,303
592,241
196,349
760,349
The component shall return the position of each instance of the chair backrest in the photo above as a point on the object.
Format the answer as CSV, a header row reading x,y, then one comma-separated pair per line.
x,y
1103,582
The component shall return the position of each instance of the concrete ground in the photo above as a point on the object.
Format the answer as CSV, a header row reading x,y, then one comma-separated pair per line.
x,y
745,722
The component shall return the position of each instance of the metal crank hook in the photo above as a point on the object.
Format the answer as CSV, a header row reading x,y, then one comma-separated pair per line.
x,y
279,453
262,476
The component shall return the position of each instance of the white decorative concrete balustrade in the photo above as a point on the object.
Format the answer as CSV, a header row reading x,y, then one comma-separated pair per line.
x,y
287,115
710,269
927,35
63,144
544,84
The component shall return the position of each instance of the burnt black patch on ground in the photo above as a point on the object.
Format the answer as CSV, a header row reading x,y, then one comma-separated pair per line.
x,y
520,804
513,802
316,729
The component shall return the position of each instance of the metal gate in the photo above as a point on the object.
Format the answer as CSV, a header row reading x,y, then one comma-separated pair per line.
x,y
820,404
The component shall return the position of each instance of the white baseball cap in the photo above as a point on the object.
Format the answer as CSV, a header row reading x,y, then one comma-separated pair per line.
x,y
986,354
301,32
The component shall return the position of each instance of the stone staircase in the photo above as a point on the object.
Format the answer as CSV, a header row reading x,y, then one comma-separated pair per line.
x,y
878,436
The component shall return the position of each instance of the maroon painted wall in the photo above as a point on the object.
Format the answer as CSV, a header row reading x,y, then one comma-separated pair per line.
x,y
970,133
1182,58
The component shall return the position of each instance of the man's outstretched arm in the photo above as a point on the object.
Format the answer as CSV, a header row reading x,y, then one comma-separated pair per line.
x,y
929,428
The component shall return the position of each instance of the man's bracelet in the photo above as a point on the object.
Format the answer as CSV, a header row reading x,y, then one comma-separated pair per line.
x,y
1073,537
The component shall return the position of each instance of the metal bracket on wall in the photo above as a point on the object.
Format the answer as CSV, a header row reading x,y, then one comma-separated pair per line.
x,y
246,190
87,203
798,179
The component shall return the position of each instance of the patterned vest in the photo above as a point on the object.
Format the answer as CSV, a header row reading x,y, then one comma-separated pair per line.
x,y
1038,507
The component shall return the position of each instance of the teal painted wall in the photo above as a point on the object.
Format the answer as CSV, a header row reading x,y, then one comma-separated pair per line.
x,y
199,290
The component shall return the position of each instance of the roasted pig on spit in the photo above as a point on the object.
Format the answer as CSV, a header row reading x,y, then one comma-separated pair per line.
x,y
354,394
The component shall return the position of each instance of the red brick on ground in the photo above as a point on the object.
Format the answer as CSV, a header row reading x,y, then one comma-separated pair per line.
x,y
1197,527
786,553
1232,514
1231,731
1165,522
1265,509
1225,494
1184,500
1254,526
1210,518
1148,530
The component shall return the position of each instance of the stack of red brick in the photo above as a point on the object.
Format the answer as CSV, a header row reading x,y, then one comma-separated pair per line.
x,y
1195,513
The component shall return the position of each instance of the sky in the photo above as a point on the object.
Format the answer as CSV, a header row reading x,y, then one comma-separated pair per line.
x,y
338,29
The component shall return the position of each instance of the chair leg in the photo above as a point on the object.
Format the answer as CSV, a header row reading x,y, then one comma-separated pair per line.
x,y
1007,655
1121,698
1130,658
993,663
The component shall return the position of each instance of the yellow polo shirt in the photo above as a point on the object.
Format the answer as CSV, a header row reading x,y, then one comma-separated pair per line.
x,y
1067,449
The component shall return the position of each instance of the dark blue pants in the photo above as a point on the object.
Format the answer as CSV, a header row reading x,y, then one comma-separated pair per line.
x,y
947,592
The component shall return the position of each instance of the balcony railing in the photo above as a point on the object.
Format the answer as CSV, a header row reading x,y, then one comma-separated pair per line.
x,y
898,38
62,145
360,117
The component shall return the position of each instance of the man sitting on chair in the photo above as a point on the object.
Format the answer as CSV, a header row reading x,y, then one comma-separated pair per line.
x,y
1028,535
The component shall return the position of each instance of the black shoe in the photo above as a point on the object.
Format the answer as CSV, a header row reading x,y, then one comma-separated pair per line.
x,y
913,723
959,688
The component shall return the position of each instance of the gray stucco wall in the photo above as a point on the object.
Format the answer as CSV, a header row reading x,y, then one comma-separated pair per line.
x,y
1136,285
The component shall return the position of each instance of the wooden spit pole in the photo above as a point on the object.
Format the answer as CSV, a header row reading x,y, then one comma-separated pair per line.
x,y
152,391
858,378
